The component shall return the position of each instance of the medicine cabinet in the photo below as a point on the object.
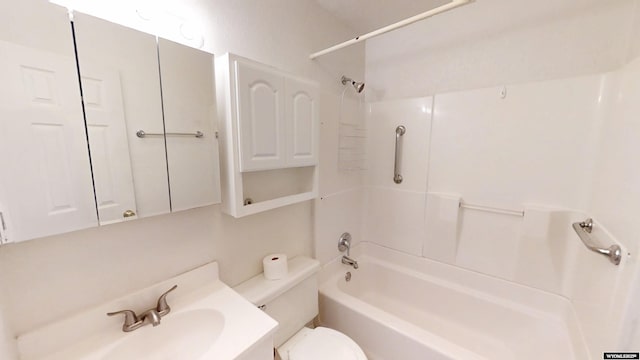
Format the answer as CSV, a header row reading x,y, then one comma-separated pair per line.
x,y
270,123
136,138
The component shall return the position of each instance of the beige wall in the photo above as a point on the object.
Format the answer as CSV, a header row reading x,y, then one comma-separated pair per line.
x,y
45,279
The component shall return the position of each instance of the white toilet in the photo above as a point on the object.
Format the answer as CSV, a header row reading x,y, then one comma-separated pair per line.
x,y
293,302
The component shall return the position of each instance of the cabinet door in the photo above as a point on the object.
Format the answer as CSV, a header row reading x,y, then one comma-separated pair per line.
x,y
189,106
302,123
46,183
261,118
134,56
104,114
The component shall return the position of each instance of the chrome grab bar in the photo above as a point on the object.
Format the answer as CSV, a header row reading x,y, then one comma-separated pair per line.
x,y
397,178
143,134
583,229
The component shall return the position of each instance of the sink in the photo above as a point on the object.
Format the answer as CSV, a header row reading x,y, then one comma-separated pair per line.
x,y
208,321
185,335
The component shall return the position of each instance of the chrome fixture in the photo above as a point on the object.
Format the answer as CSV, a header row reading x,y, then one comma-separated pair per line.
x,y
344,244
400,131
143,134
583,229
151,316
347,276
349,261
359,86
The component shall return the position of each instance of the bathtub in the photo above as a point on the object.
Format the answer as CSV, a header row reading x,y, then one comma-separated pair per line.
x,y
398,306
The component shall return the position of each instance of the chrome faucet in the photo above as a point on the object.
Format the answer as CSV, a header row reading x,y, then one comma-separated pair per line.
x,y
344,244
349,261
151,316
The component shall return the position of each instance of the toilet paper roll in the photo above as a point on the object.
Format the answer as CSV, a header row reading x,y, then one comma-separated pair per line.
x,y
275,266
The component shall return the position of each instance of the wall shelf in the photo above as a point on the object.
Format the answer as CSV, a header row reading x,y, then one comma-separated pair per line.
x,y
269,123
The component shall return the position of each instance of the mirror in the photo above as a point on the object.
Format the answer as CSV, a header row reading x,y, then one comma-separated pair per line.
x,y
188,100
157,97
121,91
63,176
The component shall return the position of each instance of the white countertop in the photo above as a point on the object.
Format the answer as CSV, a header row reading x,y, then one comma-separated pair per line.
x,y
92,335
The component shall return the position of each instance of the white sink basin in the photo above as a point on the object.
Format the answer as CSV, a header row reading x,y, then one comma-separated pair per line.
x,y
186,335
208,321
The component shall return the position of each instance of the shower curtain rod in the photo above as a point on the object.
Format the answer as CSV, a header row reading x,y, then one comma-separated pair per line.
x,y
452,5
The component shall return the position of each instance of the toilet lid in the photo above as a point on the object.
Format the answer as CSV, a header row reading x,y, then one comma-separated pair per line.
x,y
324,343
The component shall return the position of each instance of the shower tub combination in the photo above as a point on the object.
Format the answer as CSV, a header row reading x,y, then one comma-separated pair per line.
x,y
397,306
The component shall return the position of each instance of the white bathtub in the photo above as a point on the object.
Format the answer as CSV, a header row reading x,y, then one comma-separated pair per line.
x,y
398,306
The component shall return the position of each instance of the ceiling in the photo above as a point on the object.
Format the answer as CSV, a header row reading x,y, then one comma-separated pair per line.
x,y
367,15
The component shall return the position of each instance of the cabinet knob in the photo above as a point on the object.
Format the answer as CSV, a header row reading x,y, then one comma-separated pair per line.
x,y
128,213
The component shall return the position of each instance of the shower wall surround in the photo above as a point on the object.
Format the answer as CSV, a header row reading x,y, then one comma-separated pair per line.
x,y
558,145
105,262
552,152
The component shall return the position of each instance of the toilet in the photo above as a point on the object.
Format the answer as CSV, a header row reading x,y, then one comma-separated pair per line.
x,y
293,302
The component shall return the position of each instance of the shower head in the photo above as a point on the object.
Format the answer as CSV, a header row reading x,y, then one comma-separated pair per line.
x,y
359,86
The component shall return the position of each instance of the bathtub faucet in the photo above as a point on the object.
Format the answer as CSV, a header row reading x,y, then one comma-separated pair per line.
x,y
344,244
349,261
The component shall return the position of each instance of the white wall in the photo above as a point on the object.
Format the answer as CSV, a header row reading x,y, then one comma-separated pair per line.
x,y
521,152
634,38
340,206
537,150
495,42
394,213
559,146
46,279
615,198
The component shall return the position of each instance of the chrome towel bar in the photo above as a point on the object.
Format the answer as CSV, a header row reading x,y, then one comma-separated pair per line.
x,y
143,134
583,229
400,131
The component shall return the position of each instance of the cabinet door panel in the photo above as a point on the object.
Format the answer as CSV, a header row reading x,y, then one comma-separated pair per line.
x,y
302,123
189,106
260,118
46,186
104,45
108,143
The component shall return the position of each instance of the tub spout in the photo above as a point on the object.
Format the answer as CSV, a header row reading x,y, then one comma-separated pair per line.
x,y
349,261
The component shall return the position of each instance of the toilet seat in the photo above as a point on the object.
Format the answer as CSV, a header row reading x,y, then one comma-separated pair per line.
x,y
320,344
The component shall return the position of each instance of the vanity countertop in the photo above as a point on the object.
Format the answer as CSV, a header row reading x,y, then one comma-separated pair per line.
x,y
208,320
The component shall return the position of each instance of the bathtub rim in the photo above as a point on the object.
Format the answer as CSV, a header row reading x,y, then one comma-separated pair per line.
x,y
552,306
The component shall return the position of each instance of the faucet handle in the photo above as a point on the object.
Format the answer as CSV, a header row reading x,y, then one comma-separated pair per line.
x,y
344,243
163,308
130,317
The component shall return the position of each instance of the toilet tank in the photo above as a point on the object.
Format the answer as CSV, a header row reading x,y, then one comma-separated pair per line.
x,y
292,301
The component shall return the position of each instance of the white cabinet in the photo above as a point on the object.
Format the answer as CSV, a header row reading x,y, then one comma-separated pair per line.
x,y
269,123
302,123
146,144
46,186
261,123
